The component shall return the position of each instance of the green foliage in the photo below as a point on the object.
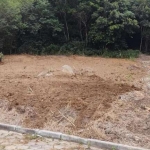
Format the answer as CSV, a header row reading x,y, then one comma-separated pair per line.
x,y
141,8
113,148
1,56
121,54
9,20
74,47
50,50
31,137
84,27
113,20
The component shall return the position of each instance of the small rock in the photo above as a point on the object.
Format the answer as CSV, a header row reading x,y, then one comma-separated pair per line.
x,y
148,86
45,74
135,95
147,79
10,147
49,74
136,138
22,147
21,109
42,74
67,69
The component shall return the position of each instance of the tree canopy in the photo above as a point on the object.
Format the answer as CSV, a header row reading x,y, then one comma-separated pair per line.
x,y
60,26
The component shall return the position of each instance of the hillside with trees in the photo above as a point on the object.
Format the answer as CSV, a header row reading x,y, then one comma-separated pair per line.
x,y
90,27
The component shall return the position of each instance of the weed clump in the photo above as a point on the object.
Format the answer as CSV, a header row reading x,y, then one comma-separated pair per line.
x,y
1,56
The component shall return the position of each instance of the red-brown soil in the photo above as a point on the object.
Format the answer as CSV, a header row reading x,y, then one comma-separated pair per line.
x,y
83,104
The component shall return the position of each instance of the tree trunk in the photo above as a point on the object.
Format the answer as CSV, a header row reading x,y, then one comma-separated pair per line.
x,y
86,36
86,40
65,35
67,29
81,31
141,44
146,45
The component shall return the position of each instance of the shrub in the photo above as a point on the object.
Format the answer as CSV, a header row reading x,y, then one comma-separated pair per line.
x,y
50,50
92,52
74,47
121,54
1,56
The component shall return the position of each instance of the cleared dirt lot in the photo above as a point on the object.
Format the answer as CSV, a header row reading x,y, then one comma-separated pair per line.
x,y
35,92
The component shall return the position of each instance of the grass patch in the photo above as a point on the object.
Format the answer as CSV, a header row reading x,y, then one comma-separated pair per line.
x,y
1,57
31,137
131,54
78,48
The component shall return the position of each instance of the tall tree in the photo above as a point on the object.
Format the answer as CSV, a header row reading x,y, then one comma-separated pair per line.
x,y
62,9
40,26
83,15
113,22
141,8
33,25
9,21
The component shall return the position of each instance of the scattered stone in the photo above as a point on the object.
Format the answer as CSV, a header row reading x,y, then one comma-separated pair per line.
x,y
10,147
145,108
134,95
21,109
67,69
146,62
22,147
42,74
3,104
45,74
133,67
147,79
86,72
49,74
148,86
20,144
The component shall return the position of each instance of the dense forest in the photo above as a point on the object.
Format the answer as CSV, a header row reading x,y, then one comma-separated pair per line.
x,y
74,26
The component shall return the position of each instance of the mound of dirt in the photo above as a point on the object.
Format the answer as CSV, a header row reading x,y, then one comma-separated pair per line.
x,y
36,93
85,96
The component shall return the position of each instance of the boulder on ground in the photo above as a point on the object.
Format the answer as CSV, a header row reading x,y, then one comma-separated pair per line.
x,y
67,69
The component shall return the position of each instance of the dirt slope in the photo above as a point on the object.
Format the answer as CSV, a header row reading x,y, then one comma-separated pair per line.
x,y
35,93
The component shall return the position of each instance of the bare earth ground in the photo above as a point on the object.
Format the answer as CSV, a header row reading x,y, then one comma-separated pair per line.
x,y
15,141
92,102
